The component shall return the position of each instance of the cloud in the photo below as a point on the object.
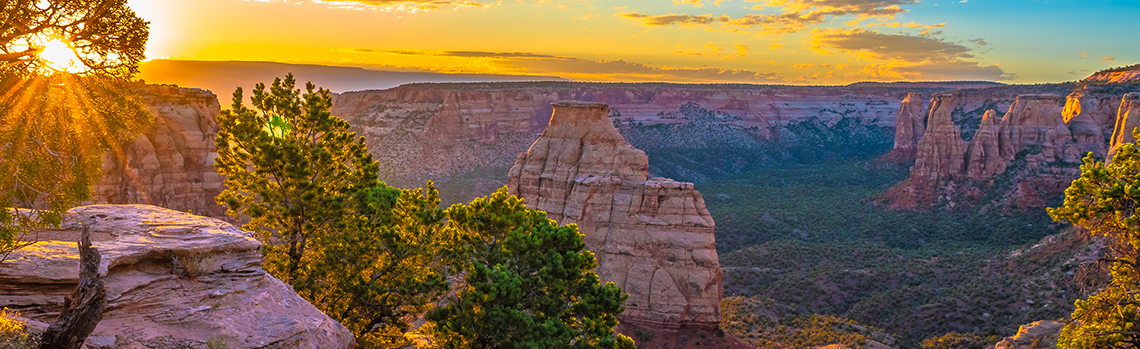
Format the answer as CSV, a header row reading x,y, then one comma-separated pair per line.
x,y
1108,59
697,3
671,19
404,5
904,57
588,69
793,15
802,66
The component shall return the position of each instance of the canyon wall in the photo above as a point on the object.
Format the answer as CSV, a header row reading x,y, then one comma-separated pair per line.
x,y
653,237
172,163
1127,119
1023,158
443,131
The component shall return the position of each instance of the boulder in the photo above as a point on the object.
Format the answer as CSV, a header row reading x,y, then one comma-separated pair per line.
x,y
653,237
173,280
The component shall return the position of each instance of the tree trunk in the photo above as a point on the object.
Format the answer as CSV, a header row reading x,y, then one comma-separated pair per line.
x,y
83,310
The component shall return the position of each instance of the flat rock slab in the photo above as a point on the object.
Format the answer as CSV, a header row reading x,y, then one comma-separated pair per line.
x,y
174,280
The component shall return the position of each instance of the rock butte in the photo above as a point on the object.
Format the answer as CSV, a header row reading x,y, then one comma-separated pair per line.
x,y
653,237
174,280
171,164
910,128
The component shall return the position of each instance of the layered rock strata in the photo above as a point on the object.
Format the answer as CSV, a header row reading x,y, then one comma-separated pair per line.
x,y
173,280
653,236
983,156
171,164
941,151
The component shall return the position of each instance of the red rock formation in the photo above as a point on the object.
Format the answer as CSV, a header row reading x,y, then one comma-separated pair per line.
x,y
941,151
1036,121
909,128
983,159
172,164
173,280
1120,75
1127,119
1089,117
653,237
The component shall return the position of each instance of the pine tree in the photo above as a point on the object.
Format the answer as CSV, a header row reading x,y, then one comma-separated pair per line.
x,y
530,284
362,252
1104,201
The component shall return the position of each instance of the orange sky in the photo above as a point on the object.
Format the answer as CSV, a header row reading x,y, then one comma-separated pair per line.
x,y
751,41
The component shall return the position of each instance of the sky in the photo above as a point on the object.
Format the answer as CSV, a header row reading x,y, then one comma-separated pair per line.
x,y
817,42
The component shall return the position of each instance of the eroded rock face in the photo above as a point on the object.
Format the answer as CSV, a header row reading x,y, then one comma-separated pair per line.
x,y
172,164
983,158
941,151
653,236
1127,119
910,127
1035,121
174,280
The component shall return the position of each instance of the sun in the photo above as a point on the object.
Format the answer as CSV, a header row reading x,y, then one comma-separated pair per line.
x,y
58,56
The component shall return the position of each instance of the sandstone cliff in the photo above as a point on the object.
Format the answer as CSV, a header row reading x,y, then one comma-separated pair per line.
x,y
982,156
652,236
470,131
173,280
1119,75
171,164
1127,119
910,126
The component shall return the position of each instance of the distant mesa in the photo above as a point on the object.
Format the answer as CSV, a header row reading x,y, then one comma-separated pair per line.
x,y
1116,75
223,77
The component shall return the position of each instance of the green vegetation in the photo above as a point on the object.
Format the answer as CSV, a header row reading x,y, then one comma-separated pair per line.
x,y
13,334
1104,201
55,126
707,148
810,237
375,258
530,284
955,340
768,324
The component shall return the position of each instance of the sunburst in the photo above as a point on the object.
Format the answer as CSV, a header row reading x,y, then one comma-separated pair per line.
x,y
58,56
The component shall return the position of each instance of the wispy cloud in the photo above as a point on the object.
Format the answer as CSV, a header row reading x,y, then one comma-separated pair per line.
x,y
904,57
404,5
792,16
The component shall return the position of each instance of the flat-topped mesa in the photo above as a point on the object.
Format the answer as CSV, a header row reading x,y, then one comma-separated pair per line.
x,y
941,151
1127,119
1037,121
910,127
653,237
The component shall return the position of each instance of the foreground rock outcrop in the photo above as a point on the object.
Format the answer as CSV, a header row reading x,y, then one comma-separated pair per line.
x,y
173,280
653,237
171,164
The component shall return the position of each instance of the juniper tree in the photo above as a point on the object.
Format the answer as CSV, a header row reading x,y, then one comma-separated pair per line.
x,y
362,252
1104,201
56,123
529,283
